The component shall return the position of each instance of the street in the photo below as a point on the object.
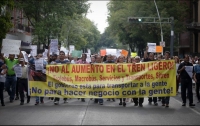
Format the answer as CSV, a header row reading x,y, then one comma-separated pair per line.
x,y
76,112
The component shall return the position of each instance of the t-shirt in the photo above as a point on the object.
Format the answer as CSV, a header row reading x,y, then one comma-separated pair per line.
x,y
10,64
62,61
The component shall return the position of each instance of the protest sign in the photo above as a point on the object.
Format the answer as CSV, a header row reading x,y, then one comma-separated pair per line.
x,y
102,52
76,53
18,70
39,64
33,50
11,46
71,48
54,46
151,47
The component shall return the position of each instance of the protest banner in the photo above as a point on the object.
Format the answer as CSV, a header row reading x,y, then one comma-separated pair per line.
x,y
124,52
11,46
39,64
133,54
151,47
159,49
149,79
103,52
18,70
25,55
71,48
111,51
76,53
54,46
33,50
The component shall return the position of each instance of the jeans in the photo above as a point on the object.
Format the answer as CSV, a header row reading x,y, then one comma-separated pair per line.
x,y
154,99
11,82
39,98
100,100
141,100
165,100
1,92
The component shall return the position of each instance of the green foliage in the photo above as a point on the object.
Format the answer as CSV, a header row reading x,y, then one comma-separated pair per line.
x,y
5,20
48,16
137,35
80,32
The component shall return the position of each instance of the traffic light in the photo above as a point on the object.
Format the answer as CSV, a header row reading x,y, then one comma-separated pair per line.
x,y
135,20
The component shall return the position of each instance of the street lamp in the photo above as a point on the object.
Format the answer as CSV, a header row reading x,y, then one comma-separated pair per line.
x,y
161,33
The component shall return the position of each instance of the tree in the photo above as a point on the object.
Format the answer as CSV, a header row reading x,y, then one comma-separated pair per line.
x,y
5,17
81,32
137,35
48,16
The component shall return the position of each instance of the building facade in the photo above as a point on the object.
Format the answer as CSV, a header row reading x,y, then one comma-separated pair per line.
x,y
189,41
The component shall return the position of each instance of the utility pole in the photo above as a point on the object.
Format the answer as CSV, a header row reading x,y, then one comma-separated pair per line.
x,y
172,37
153,20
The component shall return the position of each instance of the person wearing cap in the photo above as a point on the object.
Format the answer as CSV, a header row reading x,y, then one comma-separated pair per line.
x,y
197,78
23,82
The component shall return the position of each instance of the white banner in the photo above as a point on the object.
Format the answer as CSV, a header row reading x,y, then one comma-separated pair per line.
x,y
39,64
18,70
33,50
54,46
11,46
111,51
89,51
71,48
45,53
189,70
25,56
151,47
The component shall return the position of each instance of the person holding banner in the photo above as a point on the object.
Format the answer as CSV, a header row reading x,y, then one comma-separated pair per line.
x,y
109,60
61,60
37,65
141,100
186,80
159,58
98,60
120,60
165,100
149,59
197,78
82,61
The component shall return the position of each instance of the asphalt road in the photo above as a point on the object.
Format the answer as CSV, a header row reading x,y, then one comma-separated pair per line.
x,y
76,112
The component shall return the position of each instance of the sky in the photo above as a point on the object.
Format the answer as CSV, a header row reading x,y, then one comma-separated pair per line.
x,y
98,13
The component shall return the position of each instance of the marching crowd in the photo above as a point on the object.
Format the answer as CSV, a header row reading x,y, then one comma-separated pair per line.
x,y
16,87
